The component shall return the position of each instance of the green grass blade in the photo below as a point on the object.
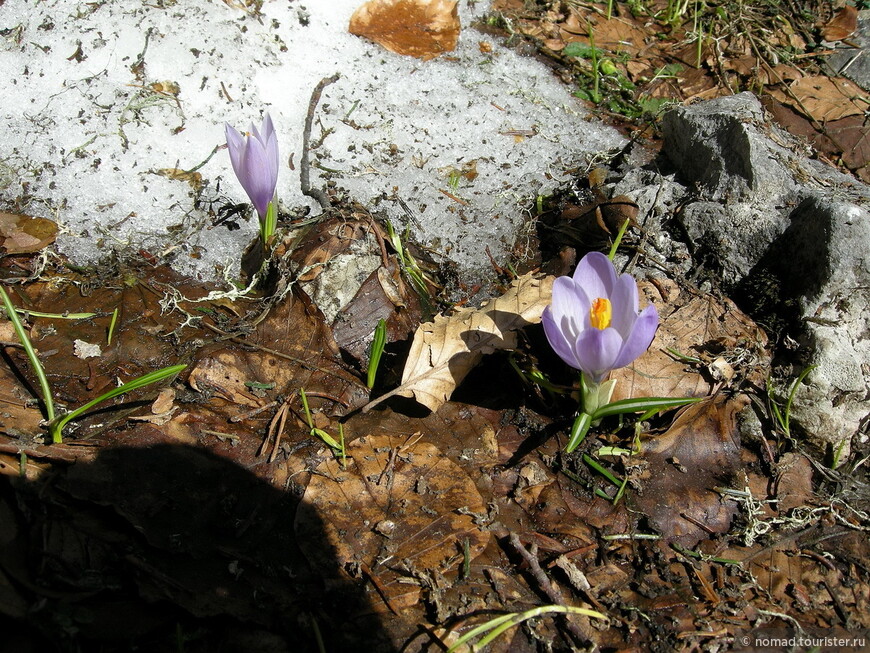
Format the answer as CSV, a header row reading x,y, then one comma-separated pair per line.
x,y
56,427
56,316
474,632
618,239
47,399
378,344
578,431
642,404
305,406
327,439
500,624
791,394
602,470
112,326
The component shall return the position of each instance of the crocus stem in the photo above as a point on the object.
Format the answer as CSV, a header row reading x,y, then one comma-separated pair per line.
x,y
595,395
269,224
589,395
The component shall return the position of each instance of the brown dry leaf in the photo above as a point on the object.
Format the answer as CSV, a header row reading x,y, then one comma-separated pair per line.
x,y
824,98
699,326
20,416
842,25
384,295
851,136
21,234
291,348
620,36
445,351
419,28
194,179
331,238
399,508
224,375
700,450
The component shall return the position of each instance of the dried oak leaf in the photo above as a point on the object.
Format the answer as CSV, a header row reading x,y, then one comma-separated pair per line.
x,y
420,28
291,348
445,351
701,450
824,98
397,508
696,325
842,25
21,234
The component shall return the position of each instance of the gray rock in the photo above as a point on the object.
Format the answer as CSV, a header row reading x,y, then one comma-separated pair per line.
x,y
721,147
763,207
822,258
748,176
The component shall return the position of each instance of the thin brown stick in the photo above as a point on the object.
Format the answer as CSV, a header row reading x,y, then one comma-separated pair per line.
x,y
552,592
379,586
304,165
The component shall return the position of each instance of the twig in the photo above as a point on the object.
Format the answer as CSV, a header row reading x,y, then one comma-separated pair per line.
x,y
379,587
305,166
553,593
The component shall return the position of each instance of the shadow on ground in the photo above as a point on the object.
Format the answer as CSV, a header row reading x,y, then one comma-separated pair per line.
x,y
167,548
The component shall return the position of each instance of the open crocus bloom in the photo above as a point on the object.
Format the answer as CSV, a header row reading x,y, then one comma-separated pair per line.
x,y
593,321
255,160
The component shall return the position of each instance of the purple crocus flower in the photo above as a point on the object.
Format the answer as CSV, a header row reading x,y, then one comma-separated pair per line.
x,y
593,321
255,160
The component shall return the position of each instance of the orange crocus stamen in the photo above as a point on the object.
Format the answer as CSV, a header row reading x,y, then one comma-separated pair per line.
x,y
600,313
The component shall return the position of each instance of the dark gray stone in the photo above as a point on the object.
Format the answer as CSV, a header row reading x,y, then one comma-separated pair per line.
x,y
763,207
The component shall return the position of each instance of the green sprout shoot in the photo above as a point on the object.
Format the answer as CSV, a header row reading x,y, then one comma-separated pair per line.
x,y
320,434
112,325
55,427
500,624
378,343
408,263
782,415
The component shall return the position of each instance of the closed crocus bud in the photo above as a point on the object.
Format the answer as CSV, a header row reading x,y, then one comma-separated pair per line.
x,y
255,161
593,323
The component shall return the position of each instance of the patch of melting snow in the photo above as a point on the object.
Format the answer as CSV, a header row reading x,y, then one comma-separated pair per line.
x,y
102,101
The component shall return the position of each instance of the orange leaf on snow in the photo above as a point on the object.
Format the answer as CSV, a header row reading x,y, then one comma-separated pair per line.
x,y
420,28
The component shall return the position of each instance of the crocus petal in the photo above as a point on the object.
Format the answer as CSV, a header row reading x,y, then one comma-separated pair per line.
x,y
623,302
568,300
236,146
255,162
640,338
596,350
557,340
595,274
258,181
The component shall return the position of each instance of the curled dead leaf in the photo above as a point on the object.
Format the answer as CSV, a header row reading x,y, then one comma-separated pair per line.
x,y
445,351
712,330
701,450
842,25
